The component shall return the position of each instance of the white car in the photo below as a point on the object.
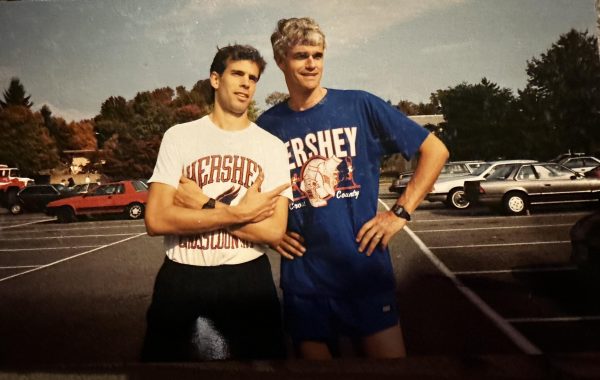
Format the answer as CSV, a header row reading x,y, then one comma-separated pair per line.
x,y
580,164
451,190
450,169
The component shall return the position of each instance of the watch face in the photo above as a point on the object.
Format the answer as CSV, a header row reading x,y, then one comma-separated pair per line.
x,y
400,212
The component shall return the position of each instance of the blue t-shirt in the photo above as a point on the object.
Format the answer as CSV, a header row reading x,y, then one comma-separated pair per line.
x,y
334,151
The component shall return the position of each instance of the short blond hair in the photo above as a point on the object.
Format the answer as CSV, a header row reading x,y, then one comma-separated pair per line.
x,y
295,31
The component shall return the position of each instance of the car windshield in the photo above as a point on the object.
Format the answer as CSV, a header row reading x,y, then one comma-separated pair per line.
x,y
481,169
553,171
108,189
139,186
78,188
500,172
454,169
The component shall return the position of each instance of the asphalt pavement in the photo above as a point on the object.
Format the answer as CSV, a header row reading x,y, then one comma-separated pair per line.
x,y
73,300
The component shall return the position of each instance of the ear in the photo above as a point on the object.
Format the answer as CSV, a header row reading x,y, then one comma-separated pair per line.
x,y
281,64
214,80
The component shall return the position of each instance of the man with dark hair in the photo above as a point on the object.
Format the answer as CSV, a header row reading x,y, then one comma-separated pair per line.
x,y
336,274
214,296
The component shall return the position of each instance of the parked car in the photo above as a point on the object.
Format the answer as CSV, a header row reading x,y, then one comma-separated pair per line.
x,y
451,191
36,197
580,164
515,187
450,169
124,197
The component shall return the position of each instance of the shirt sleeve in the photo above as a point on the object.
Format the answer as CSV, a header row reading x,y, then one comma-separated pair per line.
x,y
168,167
278,171
394,130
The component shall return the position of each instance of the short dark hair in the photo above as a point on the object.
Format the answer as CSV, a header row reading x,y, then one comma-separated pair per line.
x,y
236,53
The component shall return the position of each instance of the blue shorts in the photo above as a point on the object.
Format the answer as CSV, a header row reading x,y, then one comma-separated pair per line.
x,y
323,318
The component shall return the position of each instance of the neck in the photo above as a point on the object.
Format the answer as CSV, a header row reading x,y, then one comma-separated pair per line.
x,y
303,100
229,121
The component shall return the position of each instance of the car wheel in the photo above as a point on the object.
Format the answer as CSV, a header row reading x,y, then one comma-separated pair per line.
x,y
16,209
11,196
135,211
515,203
65,215
456,199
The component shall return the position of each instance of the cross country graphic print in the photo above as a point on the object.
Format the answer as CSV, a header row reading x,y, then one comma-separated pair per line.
x,y
225,178
326,169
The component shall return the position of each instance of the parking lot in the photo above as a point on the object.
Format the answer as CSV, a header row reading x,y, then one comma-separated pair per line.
x,y
470,282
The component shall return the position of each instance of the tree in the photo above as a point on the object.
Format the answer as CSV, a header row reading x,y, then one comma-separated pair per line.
x,y
80,135
409,108
130,130
561,101
276,97
25,141
481,121
130,157
15,95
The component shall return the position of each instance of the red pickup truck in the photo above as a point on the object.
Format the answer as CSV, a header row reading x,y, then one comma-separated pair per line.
x,y
10,184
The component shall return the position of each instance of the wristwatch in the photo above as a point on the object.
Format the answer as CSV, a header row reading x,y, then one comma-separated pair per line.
x,y
400,212
209,204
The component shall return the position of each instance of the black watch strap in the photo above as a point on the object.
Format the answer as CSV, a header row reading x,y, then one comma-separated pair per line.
x,y
400,212
209,204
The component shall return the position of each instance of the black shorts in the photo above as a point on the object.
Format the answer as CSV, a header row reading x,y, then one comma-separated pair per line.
x,y
239,301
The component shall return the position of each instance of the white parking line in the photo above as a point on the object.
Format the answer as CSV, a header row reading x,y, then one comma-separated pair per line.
x,y
37,231
501,244
555,319
494,228
502,217
26,224
520,270
70,257
10,250
21,267
518,339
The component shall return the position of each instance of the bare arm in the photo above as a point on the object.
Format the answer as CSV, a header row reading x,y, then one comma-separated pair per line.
x,y
165,217
381,229
268,230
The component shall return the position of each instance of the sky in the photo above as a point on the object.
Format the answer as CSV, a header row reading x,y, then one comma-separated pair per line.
x,y
74,54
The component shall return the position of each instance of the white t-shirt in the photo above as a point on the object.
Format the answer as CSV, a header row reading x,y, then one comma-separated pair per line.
x,y
224,164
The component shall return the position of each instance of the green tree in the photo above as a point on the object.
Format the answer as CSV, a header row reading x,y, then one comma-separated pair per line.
x,y
481,121
276,97
561,101
15,95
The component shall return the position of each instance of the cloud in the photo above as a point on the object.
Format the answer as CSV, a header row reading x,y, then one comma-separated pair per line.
x,y
347,22
353,23
445,48
6,74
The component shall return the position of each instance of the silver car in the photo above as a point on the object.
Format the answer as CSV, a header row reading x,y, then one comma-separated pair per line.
x,y
515,187
450,169
451,190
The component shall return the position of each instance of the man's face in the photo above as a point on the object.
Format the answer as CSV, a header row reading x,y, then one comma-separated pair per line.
x,y
235,88
303,67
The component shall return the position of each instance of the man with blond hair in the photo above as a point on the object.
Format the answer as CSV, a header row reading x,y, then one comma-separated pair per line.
x,y
336,271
